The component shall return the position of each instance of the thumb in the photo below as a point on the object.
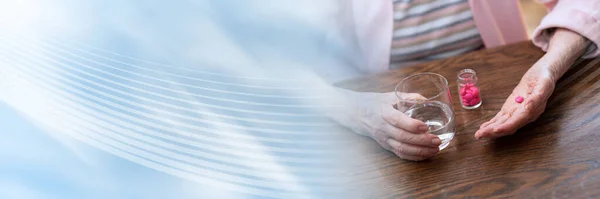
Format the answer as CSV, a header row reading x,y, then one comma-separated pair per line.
x,y
394,97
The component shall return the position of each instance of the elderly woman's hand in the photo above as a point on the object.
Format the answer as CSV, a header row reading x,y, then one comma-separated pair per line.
x,y
397,132
536,86
374,115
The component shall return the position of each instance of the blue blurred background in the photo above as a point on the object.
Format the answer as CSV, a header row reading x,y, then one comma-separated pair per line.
x,y
171,99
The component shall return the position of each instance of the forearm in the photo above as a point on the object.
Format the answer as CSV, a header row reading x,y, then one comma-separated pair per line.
x,y
565,47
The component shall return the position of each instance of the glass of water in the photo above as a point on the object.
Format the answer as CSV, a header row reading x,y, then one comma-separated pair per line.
x,y
426,97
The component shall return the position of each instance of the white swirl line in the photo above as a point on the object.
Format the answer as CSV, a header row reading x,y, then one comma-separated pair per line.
x,y
151,108
162,146
169,82
62,43
172,98
205,175
164,104
163,167
191,86
78,118
179,132
180,76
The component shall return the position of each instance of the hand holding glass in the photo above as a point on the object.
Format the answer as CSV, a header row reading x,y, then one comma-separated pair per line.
x,y
433,106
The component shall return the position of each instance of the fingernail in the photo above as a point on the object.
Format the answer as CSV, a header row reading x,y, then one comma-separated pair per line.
x,y
423,128
436,141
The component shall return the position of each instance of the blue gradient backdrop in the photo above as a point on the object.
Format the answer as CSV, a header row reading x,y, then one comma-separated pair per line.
x,y
172,99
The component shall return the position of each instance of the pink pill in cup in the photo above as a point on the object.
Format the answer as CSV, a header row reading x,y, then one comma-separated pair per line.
x,y
468,90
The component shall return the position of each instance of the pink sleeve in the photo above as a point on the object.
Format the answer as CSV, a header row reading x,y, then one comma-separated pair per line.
x,y
580,16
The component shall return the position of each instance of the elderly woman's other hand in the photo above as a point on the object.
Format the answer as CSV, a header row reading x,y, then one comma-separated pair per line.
x,y
534,89
536,86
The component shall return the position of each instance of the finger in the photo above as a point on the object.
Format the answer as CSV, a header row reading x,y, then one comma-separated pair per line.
x,y
497,134
483,132
485,129
493,120
508,123
406,96
414,96
424,139
402,121
480,133
490,129
410,157
406,150
494,130
380,136
384,143
411,96
485,124
521,118
505,114
487,132
512,124
391,97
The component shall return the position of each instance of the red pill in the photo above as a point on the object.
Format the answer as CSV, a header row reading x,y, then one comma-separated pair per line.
x,y
475,91
463,90
519,99
468,96
470,91
475,101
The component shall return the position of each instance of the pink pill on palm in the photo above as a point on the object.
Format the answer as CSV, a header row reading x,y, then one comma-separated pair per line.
x,y
519,99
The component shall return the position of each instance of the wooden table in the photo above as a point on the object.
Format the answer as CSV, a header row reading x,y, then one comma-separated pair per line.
x,y
557,156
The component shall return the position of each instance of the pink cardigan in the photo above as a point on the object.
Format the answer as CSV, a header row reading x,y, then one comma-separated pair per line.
x,y
498,21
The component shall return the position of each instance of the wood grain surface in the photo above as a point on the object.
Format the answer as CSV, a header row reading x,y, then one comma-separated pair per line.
x,y
557,156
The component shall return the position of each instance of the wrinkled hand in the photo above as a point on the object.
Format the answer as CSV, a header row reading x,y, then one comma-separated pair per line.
x,y
392,129
535,87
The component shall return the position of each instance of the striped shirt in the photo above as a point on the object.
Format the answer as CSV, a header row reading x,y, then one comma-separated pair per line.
x,y
432,29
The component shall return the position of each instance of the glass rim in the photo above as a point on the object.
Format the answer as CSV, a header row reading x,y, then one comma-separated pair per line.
x,y
463,71
421,74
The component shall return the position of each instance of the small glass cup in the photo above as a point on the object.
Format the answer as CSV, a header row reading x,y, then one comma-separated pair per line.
x,y
426,97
